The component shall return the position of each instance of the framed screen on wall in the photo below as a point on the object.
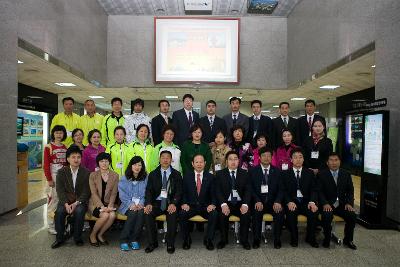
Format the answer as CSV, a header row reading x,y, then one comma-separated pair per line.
x,y
373,138
189,50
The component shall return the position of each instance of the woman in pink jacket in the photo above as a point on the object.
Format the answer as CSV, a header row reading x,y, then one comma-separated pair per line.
x,y
281,158
94,148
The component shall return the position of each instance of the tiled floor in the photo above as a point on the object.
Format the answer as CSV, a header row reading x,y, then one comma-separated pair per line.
x,y
25,242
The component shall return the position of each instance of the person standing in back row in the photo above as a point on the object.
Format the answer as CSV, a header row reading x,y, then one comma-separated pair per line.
x,y
135,119
236,118
116,118
211,124
306,121
284,121
183,119
159,121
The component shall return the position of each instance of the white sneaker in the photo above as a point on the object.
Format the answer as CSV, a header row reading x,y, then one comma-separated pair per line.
x,y
51,230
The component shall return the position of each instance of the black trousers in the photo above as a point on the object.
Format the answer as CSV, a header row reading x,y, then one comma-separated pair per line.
x,y
133,226
291,217
151,226
277,225
79,219
212,218
349,218
244,222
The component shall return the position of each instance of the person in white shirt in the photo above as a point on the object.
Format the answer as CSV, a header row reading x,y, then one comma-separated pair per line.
x,y
135,119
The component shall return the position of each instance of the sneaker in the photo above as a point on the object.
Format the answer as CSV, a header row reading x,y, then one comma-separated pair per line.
x,y
124,247
135,245
52,230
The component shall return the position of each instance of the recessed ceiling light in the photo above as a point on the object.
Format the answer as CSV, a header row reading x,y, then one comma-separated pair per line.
x,y
34,97
373,66
171,97
316,112
240,97
358,100
66,84
127,109
298,98
20,62
265,111
329,87
96,96
275,106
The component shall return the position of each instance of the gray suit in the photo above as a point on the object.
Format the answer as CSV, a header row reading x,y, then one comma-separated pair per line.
x,y
242,120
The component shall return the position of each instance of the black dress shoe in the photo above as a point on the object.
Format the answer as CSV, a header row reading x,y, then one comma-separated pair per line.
x,y
103,243
186,245
246,246
350,245
313,243
170,249
57,244
150,248
221,244
326,243
94,244
294,243
79,242
277,244
256,244
209,245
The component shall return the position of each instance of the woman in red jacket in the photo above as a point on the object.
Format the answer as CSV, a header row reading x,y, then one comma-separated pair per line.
x,y
281,158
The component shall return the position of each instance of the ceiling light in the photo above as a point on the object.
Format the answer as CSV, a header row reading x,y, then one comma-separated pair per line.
x,y
127,109
96,96
275,106
329,87
66,84
316,112
20,62
265,111
34,97
298,98
359,100
373,66
171,97
240,97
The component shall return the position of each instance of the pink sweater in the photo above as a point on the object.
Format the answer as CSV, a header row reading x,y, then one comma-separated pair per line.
x,y
281,156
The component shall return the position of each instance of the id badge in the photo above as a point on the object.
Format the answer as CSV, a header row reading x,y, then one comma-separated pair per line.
x,y
299,194
264,189
314,154
163,193
135,200
285,166
69,133
218,167
119,165
236,195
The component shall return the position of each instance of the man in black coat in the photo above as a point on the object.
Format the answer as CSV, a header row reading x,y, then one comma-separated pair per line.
x,y
198,198
211,124
235,117
284,121
183,119
336,196
306,121
159,121
258,124
163,194
301,195
267,197
233,192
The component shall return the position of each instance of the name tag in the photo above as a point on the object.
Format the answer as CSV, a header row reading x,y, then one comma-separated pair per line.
x,y
119,165
236,195
314,154
285,166
218,167
164,193
96,169
299,194
135,200
264,189
69,133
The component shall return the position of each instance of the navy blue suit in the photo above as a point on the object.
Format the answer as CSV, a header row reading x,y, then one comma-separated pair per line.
x,y
182,125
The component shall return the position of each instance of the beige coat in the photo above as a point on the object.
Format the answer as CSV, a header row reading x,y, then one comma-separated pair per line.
x,y
95,183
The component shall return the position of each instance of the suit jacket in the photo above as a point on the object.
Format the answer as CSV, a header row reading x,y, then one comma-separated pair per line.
x,y
241,119
275,193
265,127
157,124
308,186
329,191
154,184
278,126
324,148
208,134
207,192
65,186
96,189
304,129
182,126
223,186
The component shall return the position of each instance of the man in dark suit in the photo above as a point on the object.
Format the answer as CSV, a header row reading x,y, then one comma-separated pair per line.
x,y
284,121
337,197
183,119
72,186
163,194
211,124
233,192
267,197
158,122
301,195
306,121
236,117
198,198
258,124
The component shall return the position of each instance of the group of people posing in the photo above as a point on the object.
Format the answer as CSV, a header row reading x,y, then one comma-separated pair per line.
x,y
185,166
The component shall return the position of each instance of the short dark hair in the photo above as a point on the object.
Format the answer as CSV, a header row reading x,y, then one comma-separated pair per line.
x,y
233,98
296,150
138,101
198,154
141,126
211,102
165,152
262,135
334,154
231,152
238,127
68,99
116,99
75,131
129,173
195,127
58,128
166,128
309,101
255,102
286,130
119,127
265,149
74,149
88,100
187,96
163,100
318,119
101,156
284,103
91,133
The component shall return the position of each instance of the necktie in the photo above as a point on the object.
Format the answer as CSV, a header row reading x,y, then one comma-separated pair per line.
x,y
166,119
335,176
234,119
298,178
256,125
198,184
285,121
190,118
164,187
211,123
309,125
265,181
233,199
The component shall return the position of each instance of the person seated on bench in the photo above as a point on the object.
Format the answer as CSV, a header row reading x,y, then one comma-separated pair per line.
x,y
336,196
301,195
163,194
267,197
72,185
233,192
132,189
198,198
103,187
